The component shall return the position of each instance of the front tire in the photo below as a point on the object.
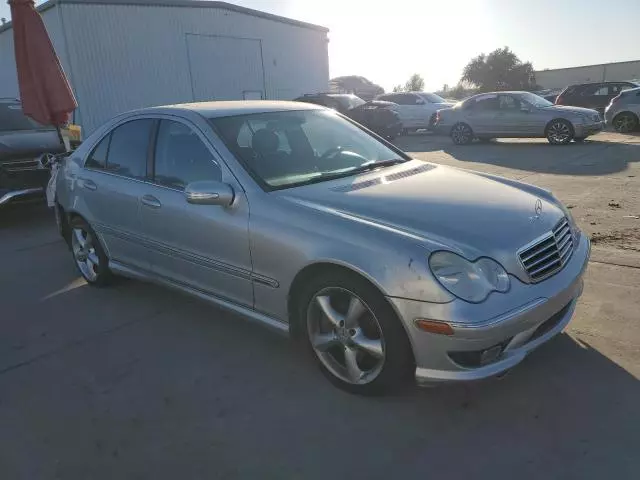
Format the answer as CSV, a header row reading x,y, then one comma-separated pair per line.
x,y
625,122
461,134
354,335
88,255
559,132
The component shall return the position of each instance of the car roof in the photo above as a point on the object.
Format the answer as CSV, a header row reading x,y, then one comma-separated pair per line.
x,y
231,108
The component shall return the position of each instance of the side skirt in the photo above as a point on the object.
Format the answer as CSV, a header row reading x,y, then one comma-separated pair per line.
x,y
265,320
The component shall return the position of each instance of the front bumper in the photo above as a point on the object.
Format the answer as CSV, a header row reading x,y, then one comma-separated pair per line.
x,y
21,196
587,129
542,311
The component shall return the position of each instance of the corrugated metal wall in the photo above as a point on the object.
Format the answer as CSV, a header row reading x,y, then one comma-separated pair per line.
x,y
8,77
128,56
612,72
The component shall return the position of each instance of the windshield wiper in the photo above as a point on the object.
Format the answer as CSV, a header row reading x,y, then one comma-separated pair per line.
x,y
377,164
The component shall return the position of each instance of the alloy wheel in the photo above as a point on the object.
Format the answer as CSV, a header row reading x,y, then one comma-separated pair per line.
x,y
559,132
345,335
84,253
461,134
624,123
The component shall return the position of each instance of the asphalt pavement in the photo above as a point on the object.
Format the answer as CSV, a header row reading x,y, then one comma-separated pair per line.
x,y
136,381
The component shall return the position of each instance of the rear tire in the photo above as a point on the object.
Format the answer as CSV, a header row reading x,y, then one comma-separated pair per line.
x,y
625,122
559,132
354,334
88,254
461,134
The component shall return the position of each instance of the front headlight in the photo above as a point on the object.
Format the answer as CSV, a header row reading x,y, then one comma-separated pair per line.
x,y
470,281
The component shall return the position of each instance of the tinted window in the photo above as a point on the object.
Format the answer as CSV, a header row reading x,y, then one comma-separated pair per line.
x,y
98,157
12,118
485,103
408,99
128,149
181,157
616,88
507,102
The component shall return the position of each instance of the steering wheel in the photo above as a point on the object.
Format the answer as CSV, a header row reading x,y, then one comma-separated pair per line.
x,y
330,153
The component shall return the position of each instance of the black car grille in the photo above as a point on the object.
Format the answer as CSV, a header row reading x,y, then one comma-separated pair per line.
x,y
549,254
20,165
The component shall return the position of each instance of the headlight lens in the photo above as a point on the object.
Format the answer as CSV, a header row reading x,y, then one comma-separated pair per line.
x,y
470,281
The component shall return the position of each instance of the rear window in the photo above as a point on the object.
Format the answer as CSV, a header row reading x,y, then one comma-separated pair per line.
x,y
12,119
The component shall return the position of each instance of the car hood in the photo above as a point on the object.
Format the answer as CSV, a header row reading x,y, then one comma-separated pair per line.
x,y
568,109
444,207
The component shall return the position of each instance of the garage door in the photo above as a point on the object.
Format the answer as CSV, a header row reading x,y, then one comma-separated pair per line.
x,y
225,68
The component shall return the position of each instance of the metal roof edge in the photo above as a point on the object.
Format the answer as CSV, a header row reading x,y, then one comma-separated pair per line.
x,y
179,3
586,66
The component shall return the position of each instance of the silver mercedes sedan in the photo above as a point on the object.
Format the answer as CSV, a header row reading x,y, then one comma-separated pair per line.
x,y
385,268
516,114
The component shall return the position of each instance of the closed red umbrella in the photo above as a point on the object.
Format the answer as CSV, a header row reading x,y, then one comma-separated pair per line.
x,y
44,89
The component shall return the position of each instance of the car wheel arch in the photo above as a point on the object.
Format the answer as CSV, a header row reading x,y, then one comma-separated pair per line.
x,y
311,270
627,112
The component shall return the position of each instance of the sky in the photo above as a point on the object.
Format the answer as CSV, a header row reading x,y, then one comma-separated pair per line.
x,y
387,41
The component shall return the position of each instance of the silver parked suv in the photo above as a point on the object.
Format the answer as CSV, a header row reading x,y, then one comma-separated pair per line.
x,y
383,266
624,111
516,114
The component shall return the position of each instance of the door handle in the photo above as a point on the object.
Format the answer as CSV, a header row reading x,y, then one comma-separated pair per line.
x,y
88,184
150,201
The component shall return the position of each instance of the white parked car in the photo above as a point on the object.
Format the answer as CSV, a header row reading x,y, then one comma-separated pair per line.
x,y
416,110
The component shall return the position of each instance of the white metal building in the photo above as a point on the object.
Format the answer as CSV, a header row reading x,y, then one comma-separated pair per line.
x,y
605,72
126,54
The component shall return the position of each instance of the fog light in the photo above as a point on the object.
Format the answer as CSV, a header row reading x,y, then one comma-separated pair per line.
x,y
433,326
490,354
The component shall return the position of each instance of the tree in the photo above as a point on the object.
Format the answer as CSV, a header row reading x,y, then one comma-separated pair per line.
x,y
414,84
356,84
500,70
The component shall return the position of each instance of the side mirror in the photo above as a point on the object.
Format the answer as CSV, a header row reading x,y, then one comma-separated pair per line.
x,y
208,192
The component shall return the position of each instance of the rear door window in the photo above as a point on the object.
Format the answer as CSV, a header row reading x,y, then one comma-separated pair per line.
x,y
98,157
129,148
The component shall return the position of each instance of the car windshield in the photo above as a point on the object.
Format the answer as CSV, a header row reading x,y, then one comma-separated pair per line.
x,y
292,148
535,100
432,97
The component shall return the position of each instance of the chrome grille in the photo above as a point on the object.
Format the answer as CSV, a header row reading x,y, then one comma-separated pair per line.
x,y
548,254
21,165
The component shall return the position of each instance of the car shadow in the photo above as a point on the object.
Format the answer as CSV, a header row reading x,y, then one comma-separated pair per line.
x,y
590,158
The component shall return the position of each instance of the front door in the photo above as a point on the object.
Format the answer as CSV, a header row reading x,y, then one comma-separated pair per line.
x,y
205,247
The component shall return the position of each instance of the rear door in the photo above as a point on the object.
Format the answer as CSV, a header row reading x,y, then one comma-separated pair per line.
x,y
111,183
596,96
481,114
205,247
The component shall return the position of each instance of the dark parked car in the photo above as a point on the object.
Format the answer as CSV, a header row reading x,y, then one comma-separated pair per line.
x,y
592,95
376,115
23,142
